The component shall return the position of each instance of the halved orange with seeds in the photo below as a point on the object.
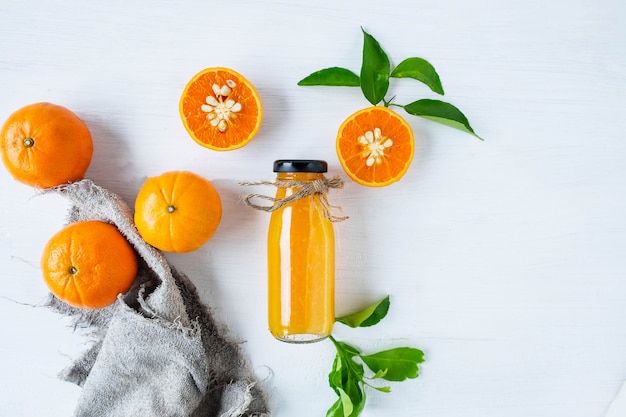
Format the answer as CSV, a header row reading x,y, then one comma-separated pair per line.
x,y
220,109
375,146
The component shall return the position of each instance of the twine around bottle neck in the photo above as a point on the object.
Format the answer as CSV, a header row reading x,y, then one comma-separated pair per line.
x,y
318,187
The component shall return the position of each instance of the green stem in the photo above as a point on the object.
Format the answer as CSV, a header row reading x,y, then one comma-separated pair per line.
x,y
389,103
350,363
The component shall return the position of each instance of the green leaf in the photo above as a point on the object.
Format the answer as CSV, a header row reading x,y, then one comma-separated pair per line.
x,y
333,76
400,363
346,379
336,410
375,70
421,70
346,350
336,375
346,403
345,370
441,112
381,373
351,396
357,397
369,316
378,375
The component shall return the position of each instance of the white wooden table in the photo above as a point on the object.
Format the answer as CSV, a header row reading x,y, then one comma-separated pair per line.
x,y
505,259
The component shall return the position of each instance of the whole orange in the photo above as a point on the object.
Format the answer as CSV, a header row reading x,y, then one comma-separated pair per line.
x,y
88,263
45,145
177,211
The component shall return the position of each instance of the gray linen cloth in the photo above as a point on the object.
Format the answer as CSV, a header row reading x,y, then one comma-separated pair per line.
x,y
157,351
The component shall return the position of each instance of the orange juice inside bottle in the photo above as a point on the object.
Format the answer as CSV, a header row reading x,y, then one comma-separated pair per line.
x,y
301,260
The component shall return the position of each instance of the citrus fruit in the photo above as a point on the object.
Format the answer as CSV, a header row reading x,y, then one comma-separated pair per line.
x,y
88,263
44,145
375,146
177,211
220,109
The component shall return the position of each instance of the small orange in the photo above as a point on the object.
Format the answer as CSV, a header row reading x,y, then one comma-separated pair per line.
x,y
375,146
220,109
177,211
45,145
88,263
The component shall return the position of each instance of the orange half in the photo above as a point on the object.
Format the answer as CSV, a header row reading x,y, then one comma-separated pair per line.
x,y
375,146
220,109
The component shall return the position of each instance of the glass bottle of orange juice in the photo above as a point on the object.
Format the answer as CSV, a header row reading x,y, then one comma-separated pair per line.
x,y
301,258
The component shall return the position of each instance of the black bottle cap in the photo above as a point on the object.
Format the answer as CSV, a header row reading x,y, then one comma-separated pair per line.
x,y
300,165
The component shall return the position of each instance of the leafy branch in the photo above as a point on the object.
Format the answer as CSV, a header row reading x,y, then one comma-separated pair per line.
x,y
348,374
374,80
